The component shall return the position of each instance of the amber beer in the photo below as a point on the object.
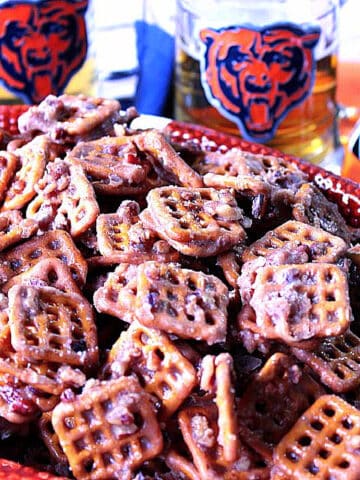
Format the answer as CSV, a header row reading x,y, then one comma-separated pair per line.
x,y
308,130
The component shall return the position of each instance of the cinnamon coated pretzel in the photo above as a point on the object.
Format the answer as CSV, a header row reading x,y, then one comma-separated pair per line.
x,y
47,324
324,443
200,222
54,244
322,246
300,302
108,430
184,302
151,355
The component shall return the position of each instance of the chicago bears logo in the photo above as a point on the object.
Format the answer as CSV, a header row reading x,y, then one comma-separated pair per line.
x,y
42,45
255,76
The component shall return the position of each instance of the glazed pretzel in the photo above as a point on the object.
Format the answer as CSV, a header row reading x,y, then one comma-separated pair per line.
x,y
13,228
216,378
199,428
322,246
109,430
55,244
8,165
184,302
66,117
50,272
200,222
179,464
123,239
113,164
324,442
300,302
15,405
273,401
65,199
47,324
166,162
151,355
44,376
31,162
118,295
232,163
336,361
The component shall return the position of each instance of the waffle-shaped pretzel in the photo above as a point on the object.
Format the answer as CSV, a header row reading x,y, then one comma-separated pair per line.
x,y
55,244
118,295
126,240
65,199
47,324
233,163
51,439
166,161
216,378
323,444
200,222
312,207
336,361
113,164
184,302
8,164
68,116
44,376
273,401
109,430
13,228
199,427
31,162
323,247
163,370
50,272
299,302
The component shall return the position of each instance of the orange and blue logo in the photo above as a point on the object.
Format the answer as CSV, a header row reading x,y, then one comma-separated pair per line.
x,y
42,44
254,77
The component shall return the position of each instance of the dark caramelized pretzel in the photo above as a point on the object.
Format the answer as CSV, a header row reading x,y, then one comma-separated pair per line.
x,y
65,199
109,430
336,361
67,116
163,370
200,222
323,247
32,159
184,302
312,207
55,244
51,439
300,302
118,295
47,324
8,164
112,164
166,161
13,228
273,401
323,444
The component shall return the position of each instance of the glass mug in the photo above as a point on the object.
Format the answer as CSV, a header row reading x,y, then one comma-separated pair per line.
x,y
44,49
264,69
